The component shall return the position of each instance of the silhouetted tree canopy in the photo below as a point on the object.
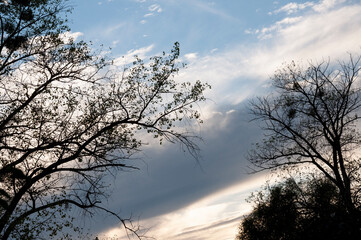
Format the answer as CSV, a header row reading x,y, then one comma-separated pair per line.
x,y
69,117
298,211
312,120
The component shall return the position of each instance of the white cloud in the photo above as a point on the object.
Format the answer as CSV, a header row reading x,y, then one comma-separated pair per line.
x,y
148,15
129,56
321,6
222,71
325,5
267,31
115,42
235,74
325,34
155,8
251,31
191,56
294,7
217,215
211,8
111,29
71,35
107,1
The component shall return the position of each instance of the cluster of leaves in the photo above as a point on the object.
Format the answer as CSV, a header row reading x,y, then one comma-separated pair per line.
x,y
295,211
23,22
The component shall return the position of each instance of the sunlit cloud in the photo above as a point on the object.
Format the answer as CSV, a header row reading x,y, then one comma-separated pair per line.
x,y
294,7
129,57
321,6
191,56
148,15
217,214
113,28
155,8
70,36
325,5
236,73
267,31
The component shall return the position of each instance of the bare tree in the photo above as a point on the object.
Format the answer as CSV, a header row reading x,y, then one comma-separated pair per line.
x,y
69,117
312,120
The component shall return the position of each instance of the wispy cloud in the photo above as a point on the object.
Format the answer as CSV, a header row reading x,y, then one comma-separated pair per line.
x,y
112,28
153,10
325,5
191,56
216,215
129,56
106,1
212,9
294,7
149,15
67,36
321,6
267,31
235,73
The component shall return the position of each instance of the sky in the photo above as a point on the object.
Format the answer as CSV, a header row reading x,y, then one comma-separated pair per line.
x,y
235,46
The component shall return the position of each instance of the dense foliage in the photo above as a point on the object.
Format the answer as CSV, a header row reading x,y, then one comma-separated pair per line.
x,y
298,211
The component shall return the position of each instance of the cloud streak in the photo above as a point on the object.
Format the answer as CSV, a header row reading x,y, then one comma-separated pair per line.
x,y
321,6
129,57
212,9
214,217
293,7
239,73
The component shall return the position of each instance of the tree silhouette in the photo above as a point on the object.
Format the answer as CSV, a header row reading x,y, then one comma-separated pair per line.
x,y
69,117
312,120
296,211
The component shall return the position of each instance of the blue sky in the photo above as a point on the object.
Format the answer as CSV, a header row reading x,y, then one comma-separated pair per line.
x,y
200,26
234,45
